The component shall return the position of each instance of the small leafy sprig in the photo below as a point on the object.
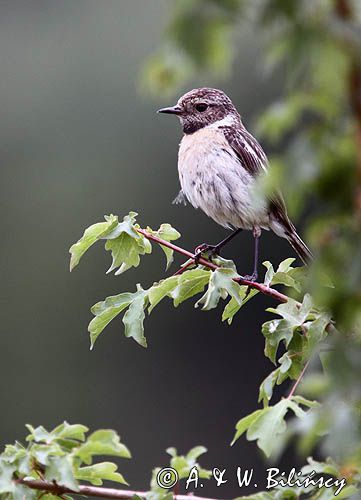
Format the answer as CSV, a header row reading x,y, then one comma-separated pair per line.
x,y
63,456
55,463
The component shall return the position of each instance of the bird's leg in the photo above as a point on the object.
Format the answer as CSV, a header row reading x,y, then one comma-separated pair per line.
x,y
214,249
256,235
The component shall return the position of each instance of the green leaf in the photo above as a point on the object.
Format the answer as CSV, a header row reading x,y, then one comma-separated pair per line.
x,y
168,233
243,424
134,317
292,312
95,474
126,245
161,290
190,283
269,274
91,236
266,388
183,464
196,452
105,312
43,453
233,305
125,251
285,265
102,442
67,431
300,400
328,467
6,477
60,470
172,451
220,285
275,331
268,425
38,434
316,331
286,363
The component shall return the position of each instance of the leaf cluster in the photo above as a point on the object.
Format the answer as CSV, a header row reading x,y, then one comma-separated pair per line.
x,y
64,456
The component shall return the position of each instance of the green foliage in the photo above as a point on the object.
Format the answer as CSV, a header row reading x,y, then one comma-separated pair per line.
x,y
300,330
123,240
207,48
265,426
219,284
64,456
182,465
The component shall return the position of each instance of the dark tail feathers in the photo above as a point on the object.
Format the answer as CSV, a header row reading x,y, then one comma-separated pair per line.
x,y
300,247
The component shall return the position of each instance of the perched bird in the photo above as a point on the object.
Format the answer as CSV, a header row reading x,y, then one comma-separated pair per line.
x,y
219,162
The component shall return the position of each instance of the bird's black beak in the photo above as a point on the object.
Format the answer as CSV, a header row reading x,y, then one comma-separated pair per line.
x,y
172,110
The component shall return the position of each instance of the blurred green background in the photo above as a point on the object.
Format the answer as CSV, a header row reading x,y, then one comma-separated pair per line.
x,y
79,139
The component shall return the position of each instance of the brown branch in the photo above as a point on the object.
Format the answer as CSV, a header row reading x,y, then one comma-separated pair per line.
x,y
94,491
299,378
266,290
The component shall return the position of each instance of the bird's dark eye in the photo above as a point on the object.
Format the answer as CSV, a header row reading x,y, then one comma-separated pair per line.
x,y
201,107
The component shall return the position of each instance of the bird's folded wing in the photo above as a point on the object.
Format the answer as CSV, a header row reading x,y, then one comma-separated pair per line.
x,y
254,160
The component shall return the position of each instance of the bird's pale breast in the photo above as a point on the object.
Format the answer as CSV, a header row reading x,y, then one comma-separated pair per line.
x,y
213,179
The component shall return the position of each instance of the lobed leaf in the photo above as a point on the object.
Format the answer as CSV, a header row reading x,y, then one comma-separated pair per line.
x,y
134,317
60,470
95,474
160,290
243,424
221,284
190,283
267,424
91,236
105,312
234,306
102,442
167,233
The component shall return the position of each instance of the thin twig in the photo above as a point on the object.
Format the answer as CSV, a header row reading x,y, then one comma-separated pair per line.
x,y
266,290
299,378
94,491
184,267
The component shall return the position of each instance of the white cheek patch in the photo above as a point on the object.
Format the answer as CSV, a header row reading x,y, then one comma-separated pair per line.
x,y
227,121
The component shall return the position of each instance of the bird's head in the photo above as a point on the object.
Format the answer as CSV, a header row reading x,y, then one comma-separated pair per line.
x,y
202,107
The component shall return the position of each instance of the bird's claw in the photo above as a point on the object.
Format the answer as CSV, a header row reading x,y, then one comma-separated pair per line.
x,y
250,277
210,250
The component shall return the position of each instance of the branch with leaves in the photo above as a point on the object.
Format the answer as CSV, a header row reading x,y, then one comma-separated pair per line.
x,y
301,328
93,491
51,466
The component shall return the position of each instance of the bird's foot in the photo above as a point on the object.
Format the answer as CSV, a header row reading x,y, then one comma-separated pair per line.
x,y
251,277
205,248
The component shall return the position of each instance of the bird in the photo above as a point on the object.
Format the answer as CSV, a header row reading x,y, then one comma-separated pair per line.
x,y
219,166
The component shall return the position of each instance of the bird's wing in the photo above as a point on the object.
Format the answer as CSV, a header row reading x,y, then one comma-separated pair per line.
x,y
254,160
250,153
